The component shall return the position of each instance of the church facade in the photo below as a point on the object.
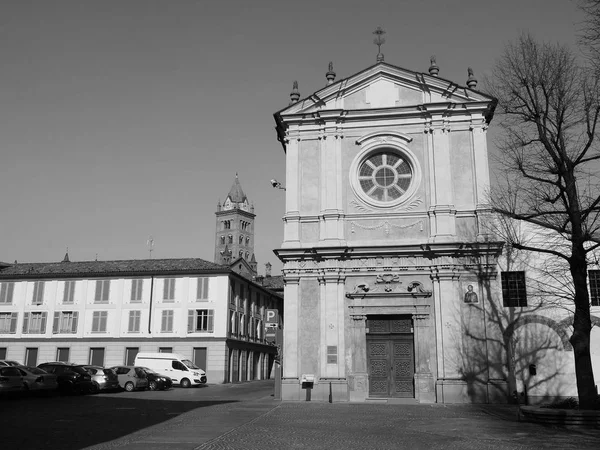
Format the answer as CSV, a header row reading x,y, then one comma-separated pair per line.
x,y
387,262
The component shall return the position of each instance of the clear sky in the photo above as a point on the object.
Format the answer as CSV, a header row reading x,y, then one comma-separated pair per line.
x,y
121,119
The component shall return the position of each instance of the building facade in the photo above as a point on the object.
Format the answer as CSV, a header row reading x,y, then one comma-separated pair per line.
x,y
392,278
105,312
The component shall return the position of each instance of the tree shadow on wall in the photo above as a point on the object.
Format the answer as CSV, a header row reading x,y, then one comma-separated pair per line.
x,y
507,353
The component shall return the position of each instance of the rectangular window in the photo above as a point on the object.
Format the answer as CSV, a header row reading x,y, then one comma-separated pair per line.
x,y
102,291
513,289
166,323
169,289
97,356
31,356
3,352
6,292
136,290
200,320
38,293
595,287
69,294
65,322
332,354
99,319
34,322
202,290
8,323
232,294
165,349
62,354
130,354
134,321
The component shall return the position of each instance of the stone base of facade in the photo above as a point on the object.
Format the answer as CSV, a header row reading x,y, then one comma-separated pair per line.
x,y
337,389
424,388
460,391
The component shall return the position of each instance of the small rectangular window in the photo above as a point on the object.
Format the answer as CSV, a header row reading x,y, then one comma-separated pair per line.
x,y
331,354
62,354
202,289
31,356
99,319
165,349
166,323
6,292
169,289
130,354
594,287
136,290
102,291
96,356
3,352
38,293
69,293
134,321
514,293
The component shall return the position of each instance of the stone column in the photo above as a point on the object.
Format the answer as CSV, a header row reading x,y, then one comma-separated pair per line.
x,y
424,385
291,219
358,381
331,185
290,328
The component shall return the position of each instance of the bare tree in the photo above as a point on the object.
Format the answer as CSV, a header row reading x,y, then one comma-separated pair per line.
x,y
549,107
590,39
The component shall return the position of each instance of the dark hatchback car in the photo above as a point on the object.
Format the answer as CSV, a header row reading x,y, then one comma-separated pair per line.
x,y
157,381
71,378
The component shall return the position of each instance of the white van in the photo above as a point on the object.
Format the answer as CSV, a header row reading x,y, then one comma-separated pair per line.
x,y
173,365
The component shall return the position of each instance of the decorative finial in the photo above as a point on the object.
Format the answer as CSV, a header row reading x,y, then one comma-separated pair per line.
x,y
330,75
295,94
433,68
379,41
471,81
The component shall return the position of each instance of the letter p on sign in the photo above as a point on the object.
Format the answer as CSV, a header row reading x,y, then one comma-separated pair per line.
x,y
272,316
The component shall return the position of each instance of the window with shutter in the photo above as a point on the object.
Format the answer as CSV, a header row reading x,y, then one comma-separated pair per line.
x,y
8,323
169,289
134,321
202,290
200,320
34,323
69,293
38,293
6,292
99,319
166,323
136,290
102,291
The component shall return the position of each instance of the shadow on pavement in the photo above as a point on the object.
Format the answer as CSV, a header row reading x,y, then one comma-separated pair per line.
x,y
75,422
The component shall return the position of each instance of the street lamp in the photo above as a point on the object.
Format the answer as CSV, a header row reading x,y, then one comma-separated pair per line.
x,y
276,184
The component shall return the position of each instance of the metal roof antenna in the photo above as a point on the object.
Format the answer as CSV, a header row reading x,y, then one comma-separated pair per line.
x,y
150,244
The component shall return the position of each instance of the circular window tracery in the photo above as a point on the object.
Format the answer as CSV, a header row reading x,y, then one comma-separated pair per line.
x,y
385,176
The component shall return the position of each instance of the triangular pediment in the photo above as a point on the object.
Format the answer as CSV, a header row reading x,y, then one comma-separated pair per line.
x,y
385,86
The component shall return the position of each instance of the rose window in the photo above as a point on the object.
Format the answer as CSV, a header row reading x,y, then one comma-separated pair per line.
x,y
385,176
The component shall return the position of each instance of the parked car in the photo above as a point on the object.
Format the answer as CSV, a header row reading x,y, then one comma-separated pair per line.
x,y
11,379
104,379
8,362
36,379
131,378
156,381
71,378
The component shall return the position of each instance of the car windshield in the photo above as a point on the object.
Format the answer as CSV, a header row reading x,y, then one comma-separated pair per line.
x,y
36,371
189,364
145,369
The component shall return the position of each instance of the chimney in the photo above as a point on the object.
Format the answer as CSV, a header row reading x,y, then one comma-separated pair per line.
x,y
268,270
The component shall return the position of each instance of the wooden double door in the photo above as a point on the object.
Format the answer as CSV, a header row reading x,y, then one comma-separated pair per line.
x,y
390,359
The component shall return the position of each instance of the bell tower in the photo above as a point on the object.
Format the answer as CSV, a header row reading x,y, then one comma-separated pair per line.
x,y
234,237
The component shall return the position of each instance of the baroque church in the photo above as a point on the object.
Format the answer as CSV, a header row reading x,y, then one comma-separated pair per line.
x,y
393,288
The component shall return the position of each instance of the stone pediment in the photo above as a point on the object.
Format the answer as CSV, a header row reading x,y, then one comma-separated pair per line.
x,y
385,86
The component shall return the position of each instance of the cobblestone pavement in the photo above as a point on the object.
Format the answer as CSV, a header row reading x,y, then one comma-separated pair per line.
x,y
266,424
366,426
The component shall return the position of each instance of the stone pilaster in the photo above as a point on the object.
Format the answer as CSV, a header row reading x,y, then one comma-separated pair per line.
x,y
424,383
358,380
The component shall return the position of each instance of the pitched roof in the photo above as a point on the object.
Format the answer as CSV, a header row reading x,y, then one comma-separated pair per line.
x,y
273,283
128,267
236,194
